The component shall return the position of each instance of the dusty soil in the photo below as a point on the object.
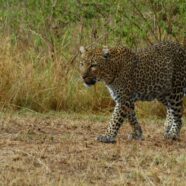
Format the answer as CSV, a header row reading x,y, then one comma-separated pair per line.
x,y
60,149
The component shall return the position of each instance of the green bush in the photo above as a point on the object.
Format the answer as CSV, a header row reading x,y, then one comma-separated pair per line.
x,y
40,42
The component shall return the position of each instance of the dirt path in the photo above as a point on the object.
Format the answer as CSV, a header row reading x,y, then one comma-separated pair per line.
x,y
61,150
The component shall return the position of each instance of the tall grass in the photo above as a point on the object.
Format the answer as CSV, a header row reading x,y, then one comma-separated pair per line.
x,y
40,41
42,84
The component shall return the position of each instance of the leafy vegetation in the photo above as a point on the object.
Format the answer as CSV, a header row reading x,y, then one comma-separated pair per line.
x,y
40,42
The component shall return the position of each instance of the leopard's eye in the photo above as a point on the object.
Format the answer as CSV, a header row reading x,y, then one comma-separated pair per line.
x,y
93,65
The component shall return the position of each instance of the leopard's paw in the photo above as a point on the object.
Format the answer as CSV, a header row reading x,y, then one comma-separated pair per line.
x,y
135,136
171,136
106,139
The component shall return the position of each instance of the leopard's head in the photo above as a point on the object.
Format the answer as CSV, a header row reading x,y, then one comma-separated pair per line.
x,y
94,65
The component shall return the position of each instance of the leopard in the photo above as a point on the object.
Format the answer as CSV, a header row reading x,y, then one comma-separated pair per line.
x,y
156,72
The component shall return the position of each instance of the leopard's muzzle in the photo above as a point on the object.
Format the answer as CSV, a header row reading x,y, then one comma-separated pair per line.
x,y
89,80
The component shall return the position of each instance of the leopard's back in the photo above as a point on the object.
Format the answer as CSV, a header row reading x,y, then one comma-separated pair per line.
x,y
160,69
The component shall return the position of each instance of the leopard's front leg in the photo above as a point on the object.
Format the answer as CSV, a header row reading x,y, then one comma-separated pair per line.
x,y
118,116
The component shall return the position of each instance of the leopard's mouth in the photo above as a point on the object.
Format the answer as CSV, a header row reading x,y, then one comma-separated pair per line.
x,y
90,81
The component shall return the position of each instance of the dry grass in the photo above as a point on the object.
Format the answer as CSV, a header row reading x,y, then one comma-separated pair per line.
x,y
40,43
41,83
59,149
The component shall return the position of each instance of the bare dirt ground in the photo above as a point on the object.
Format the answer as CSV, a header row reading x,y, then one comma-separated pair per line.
x,y
60,149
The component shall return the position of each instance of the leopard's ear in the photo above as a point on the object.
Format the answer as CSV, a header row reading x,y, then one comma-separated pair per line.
x,y
106,52
82,49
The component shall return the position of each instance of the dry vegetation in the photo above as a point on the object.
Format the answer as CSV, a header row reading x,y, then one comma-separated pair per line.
x,y
40,42
60,149
38,72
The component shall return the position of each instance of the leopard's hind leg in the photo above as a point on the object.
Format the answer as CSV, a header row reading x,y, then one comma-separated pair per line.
x,y
173,122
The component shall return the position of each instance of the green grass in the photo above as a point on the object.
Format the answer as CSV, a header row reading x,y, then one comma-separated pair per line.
x,y
40,41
